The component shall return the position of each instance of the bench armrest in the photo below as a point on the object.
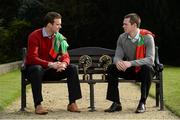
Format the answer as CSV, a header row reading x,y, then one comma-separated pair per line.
x,y
23,65
158,66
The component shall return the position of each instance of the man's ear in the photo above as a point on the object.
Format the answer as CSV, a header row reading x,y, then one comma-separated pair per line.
x,y
49,24
135,25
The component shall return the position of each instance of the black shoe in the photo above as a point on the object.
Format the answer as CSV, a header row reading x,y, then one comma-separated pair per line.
x,y
141,108
114,107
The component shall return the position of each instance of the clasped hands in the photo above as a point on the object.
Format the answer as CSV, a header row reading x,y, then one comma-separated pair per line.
x,y
59,66
123,65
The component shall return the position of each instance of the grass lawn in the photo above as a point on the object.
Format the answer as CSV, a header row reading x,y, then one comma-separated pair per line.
x,y
171,88
9,88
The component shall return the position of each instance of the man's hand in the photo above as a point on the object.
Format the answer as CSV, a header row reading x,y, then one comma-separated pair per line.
x,y
53,65
61,66
123,65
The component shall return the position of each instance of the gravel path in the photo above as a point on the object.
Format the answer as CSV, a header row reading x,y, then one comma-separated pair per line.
x,y
56,100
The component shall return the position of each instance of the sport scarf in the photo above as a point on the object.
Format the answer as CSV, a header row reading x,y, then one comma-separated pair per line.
x,y
59,41
140,47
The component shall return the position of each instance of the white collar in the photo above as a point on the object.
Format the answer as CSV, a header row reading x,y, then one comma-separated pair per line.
x,y
135,38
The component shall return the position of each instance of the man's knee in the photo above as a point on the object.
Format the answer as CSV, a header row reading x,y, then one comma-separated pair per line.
x,y
111,69
35,72
147,68
147,72
72,68
35,68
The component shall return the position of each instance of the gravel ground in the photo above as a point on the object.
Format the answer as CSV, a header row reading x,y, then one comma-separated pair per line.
x,y
56,100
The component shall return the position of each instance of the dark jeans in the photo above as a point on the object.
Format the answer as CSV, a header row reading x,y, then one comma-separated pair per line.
x,y
145,75
36,74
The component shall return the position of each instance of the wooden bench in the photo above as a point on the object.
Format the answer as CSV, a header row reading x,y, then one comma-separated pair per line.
x,y
95,53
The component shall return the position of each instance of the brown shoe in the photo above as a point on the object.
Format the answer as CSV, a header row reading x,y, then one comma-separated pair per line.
x,y
40,110
73,108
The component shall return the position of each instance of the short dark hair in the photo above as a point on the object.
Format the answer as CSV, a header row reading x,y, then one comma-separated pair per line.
x,y
50,16
134,18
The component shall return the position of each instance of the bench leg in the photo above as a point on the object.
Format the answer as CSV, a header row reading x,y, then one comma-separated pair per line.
x,y
91,87
157,94
161,91
23,93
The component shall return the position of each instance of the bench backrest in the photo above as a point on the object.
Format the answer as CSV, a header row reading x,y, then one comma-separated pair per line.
x,y
95,53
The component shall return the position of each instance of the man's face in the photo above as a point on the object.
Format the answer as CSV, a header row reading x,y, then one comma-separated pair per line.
x,y
128,28
56,26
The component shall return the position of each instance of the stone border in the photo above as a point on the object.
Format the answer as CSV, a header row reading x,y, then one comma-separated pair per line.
x,y
4,68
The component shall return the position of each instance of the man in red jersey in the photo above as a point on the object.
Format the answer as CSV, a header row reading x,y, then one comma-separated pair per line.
x,y
48,59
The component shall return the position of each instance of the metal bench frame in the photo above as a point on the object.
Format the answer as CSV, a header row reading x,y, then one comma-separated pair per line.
x,y
95,53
